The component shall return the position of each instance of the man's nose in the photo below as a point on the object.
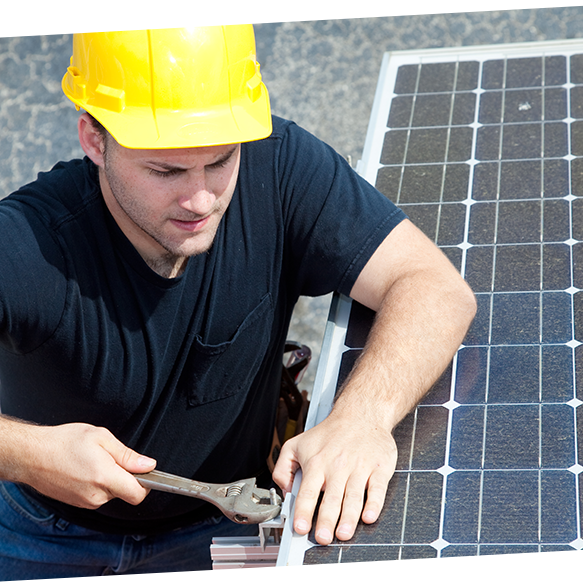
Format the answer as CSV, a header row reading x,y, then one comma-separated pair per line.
x,y
197,197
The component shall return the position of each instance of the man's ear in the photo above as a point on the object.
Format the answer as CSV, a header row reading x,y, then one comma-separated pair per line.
x,y
91,140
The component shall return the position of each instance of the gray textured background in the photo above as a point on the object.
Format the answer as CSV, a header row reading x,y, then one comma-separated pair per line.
x,y
322,74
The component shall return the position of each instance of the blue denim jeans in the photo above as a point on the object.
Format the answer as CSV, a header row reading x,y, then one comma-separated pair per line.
x,y
36,544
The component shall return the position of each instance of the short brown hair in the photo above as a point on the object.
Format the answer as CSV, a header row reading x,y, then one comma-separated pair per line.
x,y
99,128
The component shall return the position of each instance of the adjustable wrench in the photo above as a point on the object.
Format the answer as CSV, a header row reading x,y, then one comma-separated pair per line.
x,y
240,501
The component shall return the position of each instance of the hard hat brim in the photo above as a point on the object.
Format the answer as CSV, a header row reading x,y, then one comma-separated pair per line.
x,y
138,128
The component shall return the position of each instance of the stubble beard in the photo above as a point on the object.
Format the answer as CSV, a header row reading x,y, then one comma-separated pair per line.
x,y
176,254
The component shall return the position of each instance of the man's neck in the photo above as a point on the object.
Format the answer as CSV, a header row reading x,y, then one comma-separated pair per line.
x,y
168,266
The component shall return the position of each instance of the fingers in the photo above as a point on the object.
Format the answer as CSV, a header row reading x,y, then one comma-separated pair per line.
x,y
376,493
342,505
344,477
307,499
122,484
376,485
82,465
351,509
343,483
328,514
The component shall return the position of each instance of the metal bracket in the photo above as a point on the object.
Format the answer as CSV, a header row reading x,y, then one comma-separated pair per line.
x,y
252,551
274,528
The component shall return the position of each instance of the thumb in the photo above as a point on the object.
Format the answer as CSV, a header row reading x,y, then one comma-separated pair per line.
x,y
128,459
286,467
138,464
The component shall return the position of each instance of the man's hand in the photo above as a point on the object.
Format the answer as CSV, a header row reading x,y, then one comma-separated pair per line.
x,y
342,457
75,463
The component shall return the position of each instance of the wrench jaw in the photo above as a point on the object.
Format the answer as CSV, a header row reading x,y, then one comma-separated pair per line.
x,y
246,504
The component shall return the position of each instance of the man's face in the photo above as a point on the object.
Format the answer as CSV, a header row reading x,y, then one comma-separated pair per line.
x,y
169,202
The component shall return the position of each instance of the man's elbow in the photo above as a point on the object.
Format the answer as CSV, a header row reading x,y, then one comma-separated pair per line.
x,y
465,302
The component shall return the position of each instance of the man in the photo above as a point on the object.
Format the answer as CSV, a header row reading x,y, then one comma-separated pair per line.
x,y
145,296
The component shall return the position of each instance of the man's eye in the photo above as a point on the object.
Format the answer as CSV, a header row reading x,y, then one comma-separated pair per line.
x,y
217,165
163,173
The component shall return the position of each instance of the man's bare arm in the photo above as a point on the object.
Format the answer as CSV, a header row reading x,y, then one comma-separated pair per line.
x,y
76,463
424,309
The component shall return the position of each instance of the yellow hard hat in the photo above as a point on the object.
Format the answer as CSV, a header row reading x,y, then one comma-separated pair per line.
x,y
171,88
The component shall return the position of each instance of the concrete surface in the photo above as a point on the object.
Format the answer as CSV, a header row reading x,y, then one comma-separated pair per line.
x,y
322,74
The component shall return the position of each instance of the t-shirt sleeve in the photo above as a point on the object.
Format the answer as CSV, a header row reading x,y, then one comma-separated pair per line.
x,y
335,220
32,293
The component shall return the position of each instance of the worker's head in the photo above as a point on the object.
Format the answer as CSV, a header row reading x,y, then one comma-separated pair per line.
x,y
168,111
171,88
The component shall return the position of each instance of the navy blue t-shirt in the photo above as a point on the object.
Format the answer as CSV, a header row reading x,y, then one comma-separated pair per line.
x,y
184,370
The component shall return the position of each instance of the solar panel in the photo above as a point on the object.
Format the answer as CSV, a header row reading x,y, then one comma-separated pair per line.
x,y
483,149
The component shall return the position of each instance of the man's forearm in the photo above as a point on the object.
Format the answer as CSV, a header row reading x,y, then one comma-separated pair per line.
x,y
17,439
419,326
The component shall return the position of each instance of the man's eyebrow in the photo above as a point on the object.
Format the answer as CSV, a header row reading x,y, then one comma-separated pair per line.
x,y
224,157
173,167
